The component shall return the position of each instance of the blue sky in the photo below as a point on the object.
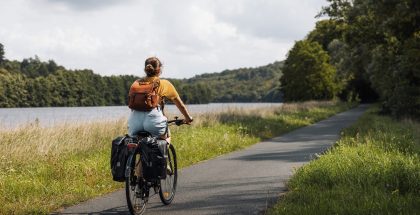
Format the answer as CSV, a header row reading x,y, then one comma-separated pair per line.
x,y
191,37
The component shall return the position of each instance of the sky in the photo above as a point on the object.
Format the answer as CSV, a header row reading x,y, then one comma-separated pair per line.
x,y
114,37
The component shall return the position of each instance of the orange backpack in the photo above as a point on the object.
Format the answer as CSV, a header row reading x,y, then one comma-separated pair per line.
x,y
143,95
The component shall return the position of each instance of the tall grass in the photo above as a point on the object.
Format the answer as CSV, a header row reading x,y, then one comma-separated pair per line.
x,y
43,169
373,169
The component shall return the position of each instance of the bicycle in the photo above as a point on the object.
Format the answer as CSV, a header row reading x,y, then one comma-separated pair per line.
x,y
163,181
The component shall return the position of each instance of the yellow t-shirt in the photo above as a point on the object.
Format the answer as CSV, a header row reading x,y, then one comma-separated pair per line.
x,y
166,89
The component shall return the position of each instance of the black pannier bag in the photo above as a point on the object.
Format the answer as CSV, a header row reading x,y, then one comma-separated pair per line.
x,y
119,154
153,159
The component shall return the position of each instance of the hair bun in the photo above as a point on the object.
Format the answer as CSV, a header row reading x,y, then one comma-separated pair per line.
x,y
152,66
149,68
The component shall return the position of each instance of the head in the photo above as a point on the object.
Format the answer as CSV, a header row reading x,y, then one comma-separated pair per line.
x,y
152,67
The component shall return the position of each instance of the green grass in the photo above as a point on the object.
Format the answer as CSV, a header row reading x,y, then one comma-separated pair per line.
x,y
44,169
373,169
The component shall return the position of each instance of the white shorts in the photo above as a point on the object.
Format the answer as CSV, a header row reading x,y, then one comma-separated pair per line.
x,y
152,121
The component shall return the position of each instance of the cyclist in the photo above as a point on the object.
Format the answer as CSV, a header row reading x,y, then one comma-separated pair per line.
x,y
154,121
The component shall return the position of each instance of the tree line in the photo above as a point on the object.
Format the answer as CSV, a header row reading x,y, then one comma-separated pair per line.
x,y
35,83
32,83
240,85
364,50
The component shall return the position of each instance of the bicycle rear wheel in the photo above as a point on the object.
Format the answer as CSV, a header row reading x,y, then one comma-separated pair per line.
x,y
168,185
134,188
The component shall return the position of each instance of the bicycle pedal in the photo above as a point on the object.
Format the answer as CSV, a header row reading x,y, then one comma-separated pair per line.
x,y
139,195
156,189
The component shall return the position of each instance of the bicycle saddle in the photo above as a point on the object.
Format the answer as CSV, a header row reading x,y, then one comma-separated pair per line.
x,y
143,134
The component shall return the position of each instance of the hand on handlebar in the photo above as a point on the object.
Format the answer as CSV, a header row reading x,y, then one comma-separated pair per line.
x,y
188,120
179,122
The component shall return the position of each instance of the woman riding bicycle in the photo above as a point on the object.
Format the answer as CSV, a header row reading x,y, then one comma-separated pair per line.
x,y
151,163
152,119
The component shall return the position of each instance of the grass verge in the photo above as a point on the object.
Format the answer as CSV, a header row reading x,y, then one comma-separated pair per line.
x,y
43,169
373,169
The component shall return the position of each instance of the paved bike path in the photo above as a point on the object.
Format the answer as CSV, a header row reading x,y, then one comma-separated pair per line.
x,y
242,182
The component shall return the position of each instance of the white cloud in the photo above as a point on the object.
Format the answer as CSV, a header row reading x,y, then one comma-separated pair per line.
x,y
190,37
87,4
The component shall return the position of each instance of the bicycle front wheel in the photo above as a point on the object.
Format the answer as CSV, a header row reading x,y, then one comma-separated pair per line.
x,y
134,187
168,185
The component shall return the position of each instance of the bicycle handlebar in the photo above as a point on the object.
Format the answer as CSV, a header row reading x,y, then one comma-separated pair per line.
x,y
177,121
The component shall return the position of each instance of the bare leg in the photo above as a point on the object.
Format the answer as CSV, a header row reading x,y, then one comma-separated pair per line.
x,y
138,170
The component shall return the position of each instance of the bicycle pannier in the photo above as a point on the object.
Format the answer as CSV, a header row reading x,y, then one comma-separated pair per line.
x,y
153,161
143,95
119,154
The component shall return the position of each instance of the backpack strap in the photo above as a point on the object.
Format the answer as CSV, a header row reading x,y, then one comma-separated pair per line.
x,y
156,84
142,81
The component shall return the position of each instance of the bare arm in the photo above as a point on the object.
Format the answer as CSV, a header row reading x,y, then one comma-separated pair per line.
x,y
181,107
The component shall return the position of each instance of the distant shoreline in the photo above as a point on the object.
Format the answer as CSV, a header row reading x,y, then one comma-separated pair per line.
x,y
126,105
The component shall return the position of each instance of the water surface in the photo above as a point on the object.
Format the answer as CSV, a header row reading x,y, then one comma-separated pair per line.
x,y
50,116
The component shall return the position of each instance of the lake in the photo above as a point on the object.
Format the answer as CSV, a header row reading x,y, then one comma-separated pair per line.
x,y
50,116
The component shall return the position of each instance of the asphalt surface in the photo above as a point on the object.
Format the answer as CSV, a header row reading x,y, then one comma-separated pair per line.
x,y
242,182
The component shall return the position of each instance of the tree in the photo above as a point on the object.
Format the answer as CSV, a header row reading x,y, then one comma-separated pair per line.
x,y
382,39
326,31
1,54
307,73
